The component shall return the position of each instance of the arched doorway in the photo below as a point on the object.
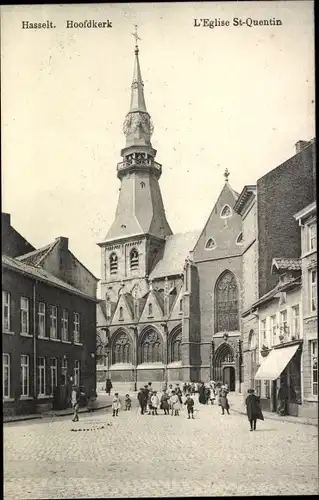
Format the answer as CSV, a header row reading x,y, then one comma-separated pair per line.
x,y
224,368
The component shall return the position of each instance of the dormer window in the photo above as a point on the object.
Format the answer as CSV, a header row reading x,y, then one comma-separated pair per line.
x,y
113,263
210,244
134,259
226,212
240,239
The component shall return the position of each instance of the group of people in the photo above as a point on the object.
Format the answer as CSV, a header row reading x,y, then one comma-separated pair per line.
x,y
170,401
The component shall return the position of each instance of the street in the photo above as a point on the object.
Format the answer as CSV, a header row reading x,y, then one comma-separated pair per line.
x,y
137,455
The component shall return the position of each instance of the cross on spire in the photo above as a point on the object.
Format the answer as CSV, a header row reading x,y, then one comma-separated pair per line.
x,y
226,174
136,36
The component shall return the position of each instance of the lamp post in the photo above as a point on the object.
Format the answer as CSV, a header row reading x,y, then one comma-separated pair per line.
x,y
134,330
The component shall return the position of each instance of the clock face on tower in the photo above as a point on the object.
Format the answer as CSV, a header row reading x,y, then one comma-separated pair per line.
x,y
138,120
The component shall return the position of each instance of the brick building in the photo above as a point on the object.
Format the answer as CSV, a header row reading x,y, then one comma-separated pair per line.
x,y
48,327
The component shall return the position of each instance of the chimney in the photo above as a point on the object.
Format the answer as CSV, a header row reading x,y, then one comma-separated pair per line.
x,y
300,145
6,219
64,242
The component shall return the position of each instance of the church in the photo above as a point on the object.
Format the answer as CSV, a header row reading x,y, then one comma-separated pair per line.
x,y
170,307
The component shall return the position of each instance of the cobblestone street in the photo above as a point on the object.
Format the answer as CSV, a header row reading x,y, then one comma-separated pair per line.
x,y
147,456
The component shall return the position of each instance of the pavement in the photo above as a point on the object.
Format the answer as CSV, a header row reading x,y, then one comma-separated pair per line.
x,y
135,455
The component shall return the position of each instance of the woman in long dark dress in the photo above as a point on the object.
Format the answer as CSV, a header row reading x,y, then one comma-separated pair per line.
x,y
201,394
253,409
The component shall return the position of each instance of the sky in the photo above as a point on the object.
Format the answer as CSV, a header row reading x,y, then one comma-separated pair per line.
x,y
233,97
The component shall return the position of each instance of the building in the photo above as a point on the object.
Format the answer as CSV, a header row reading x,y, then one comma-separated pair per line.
x,y
307,218
12,243
270,232
172,301
48,327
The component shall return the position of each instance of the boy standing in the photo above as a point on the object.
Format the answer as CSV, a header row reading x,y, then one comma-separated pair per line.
x,y
116,405
190,406
128,402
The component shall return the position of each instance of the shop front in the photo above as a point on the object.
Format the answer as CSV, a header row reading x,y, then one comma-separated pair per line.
x,y
280,373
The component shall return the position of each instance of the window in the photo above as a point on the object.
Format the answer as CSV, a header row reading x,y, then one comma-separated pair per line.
x,y
6,375
263,330
176,353
65,325
77,372
6,311
313,290
24,311
150,310
314,367
151,347
122,349
312,232
113,263
41,319
64,369
121,314
25,375
181,305
53,374
226,212
283,323
295,327
41,377
273,328
76,328
210,244
226,303
240,239
53,322
134,259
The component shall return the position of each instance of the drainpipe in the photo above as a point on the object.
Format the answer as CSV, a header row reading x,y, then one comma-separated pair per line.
x,y
34,344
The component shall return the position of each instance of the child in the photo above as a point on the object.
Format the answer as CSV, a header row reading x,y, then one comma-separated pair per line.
x,y
190,406
154,403
116,405
128,402
175,404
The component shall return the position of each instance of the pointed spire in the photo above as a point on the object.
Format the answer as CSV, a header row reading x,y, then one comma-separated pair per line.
x,y
137,94
226,174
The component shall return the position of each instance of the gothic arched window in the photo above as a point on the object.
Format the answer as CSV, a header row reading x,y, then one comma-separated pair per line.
x,y
113,263
210,244
181,305
176,347
121,314
150,310
226,212
240,239
134,259
226,303
122,352
151,348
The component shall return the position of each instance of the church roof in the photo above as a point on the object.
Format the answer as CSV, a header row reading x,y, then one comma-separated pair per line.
x,y
177,248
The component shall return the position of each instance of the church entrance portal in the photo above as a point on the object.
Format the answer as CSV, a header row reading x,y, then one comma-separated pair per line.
x,y
229,377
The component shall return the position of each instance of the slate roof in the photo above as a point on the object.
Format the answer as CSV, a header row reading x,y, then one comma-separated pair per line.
x,y
34,258
177,248
41,275
283,264
160,298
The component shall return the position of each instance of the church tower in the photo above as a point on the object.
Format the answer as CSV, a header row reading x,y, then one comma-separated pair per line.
x,y
136,239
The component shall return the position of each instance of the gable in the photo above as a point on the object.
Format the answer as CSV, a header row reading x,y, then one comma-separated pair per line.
x,y
177,312
152,309
122,313
219,236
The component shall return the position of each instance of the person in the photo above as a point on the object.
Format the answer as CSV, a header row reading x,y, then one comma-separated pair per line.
x,y
149,402
75,397
207,395
116,405
164,402
175,404
154,403
282,399
253,409
192,389
141,399
201,394
170,390
146,391
223,400
108,386
190,406
128,402
179,393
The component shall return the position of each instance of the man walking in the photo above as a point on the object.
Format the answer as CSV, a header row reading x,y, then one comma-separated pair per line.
x,y
75,396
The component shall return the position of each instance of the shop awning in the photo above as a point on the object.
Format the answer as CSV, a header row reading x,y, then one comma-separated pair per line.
x,y
275,363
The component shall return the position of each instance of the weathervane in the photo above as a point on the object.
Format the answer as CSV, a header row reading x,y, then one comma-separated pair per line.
x,y
226,174
136,36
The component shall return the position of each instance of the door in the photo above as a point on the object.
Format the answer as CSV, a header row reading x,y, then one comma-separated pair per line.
x,y
229,377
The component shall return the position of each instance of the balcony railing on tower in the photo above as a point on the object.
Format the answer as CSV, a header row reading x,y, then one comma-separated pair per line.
x,y
143,162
